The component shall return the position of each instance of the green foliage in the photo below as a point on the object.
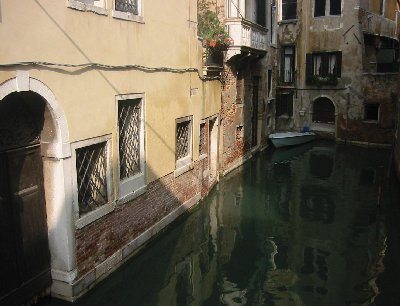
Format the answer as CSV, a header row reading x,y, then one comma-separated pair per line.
x,y
330,80
210,28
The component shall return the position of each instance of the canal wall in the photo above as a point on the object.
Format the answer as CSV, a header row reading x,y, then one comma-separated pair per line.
x,y
108,242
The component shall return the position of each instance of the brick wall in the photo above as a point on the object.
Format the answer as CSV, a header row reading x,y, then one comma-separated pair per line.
x,y
102,238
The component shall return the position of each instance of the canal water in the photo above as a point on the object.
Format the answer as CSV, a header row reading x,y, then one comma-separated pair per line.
x,y
312,225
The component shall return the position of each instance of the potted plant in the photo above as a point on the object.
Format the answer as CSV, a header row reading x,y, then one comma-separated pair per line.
x,y
213,34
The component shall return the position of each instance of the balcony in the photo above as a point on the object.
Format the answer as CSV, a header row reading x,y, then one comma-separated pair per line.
x,y
247,36
377,24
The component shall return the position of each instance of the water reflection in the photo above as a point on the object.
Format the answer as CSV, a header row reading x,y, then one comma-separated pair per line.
x,y
319,228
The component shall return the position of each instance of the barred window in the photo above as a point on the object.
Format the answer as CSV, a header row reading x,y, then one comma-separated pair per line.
x,y
182,139
202,139
183,149
91,169
131,154
127,6
129,114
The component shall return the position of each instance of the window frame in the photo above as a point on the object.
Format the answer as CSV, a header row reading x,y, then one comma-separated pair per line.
x,y
203,145
288,3
328,9
310,66
129,16
87,7
289,114
368,119
185,163
292,64
82,221
131,187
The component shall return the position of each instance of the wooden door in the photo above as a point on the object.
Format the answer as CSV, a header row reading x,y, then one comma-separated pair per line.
x,y
24,246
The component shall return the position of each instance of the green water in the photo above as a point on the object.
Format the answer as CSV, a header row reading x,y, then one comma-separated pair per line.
x,y
312,225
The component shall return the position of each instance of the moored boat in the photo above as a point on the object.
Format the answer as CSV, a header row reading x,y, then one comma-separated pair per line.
x,y
291,138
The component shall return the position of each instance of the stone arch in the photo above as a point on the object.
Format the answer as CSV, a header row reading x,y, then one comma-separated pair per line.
x,y
56,156
323,110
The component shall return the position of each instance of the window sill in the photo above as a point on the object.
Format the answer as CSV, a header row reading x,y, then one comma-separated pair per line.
x,y
325,16
127,16
287,21
94,215
183,169
129,197
83,7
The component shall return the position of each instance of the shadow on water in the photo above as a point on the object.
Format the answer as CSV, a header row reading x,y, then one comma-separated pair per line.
x,y
319,227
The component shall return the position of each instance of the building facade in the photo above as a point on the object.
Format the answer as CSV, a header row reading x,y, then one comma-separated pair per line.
x,y
106,136
338,68
246,116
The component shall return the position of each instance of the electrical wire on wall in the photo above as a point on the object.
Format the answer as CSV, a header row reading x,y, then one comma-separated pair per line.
x,y
114,67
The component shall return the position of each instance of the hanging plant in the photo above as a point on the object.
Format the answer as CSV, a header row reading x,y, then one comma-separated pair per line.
x,y
210,29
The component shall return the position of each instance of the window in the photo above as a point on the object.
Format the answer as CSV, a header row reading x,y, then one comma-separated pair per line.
x,y
284,105
92,183
327,7
371,111
128,10
324,65
272,23
131,147
387,60
289,9
382,54
261,10
96,6
288,64
269,83
239,87
202,139
183,150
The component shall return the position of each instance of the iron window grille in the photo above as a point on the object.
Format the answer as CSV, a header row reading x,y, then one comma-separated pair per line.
x,y
127,6
202,139
129,114
91,168
182,139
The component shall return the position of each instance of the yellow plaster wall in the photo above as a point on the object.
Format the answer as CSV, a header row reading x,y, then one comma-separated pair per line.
x,y
47,30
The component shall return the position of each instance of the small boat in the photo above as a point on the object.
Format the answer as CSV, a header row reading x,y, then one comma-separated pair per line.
x,y
285,139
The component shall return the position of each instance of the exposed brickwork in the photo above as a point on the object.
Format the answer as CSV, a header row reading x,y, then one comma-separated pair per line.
x,y
102,238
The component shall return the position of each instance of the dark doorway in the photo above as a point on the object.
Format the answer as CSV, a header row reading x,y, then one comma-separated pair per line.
x,y
323,111
254,115
24,250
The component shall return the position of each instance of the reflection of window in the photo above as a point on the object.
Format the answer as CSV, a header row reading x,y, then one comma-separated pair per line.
x,y
321,165
324,64
367,176
289,9
288,64
371,111
316,204
327,7
284,104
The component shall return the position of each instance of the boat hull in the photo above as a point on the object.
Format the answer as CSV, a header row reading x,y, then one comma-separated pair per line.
x,y
280,140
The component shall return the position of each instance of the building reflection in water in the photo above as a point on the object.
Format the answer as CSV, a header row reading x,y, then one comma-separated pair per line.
x,y
308,228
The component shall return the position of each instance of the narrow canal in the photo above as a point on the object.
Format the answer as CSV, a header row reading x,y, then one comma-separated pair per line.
x,y
313,225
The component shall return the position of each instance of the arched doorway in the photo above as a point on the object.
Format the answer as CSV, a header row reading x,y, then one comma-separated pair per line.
x,y
24,248
323,111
